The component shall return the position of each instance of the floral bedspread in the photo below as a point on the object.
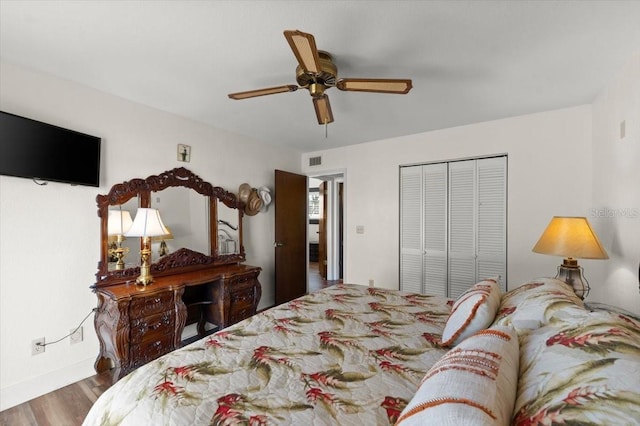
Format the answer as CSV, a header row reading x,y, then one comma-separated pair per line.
x,y
346,355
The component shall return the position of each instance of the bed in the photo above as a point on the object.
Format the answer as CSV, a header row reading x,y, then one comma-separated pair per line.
x,y
353,355
348,355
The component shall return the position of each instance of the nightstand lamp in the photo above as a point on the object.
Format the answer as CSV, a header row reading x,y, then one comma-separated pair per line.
x,y
573,238
147,224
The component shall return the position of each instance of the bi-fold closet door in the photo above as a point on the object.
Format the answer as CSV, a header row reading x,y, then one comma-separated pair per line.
x,y
452,225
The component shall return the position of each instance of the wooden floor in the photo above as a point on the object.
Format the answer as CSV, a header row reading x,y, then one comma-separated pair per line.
x,y
66,406
315,280
69,405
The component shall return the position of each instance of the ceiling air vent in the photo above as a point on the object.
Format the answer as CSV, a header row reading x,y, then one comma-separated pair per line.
x,y
315,161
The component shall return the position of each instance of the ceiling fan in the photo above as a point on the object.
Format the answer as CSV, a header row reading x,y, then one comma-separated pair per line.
x,y
316,72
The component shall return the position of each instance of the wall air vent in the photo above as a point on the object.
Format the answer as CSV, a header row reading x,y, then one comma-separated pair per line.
x,y
315,161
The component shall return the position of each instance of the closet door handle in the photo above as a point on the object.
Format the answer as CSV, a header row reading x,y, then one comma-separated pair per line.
x,y
277,244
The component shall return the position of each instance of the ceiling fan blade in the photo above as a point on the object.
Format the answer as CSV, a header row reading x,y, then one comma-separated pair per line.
x,y
262,92
323,109
378,85
304,47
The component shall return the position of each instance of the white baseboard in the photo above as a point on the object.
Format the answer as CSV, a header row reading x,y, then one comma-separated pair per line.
x,y
18,393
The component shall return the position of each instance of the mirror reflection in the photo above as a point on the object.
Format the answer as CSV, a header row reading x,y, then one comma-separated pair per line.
x,y
186,214
123,251
228,233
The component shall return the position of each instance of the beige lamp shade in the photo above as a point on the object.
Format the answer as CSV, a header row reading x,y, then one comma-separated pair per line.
x,y
165,237
118,222
147,224
570,237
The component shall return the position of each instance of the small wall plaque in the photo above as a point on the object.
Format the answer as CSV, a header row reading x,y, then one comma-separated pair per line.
x,y
184,153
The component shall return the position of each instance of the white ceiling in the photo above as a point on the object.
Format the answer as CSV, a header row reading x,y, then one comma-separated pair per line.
x,y
470,61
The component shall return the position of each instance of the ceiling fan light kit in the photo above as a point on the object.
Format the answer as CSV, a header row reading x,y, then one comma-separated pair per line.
x,y
316,72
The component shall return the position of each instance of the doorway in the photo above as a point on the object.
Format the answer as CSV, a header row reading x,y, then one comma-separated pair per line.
x,y
325,233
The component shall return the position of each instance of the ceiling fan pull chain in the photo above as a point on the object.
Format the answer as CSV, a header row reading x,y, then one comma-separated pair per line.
x,y
326,128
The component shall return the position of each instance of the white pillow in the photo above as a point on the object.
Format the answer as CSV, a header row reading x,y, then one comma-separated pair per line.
x,y
474,310
473,384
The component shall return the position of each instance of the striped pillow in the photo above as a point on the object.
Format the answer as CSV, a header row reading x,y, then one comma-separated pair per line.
x,y
473,384
474,310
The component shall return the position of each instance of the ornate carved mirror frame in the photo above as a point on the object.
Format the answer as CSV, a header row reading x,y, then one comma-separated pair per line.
x,y
183,259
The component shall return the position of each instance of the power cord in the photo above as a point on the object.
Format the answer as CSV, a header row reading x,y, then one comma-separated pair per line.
x,y
70,334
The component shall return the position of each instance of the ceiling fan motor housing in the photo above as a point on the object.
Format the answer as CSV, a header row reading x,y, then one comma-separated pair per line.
x,y
317,83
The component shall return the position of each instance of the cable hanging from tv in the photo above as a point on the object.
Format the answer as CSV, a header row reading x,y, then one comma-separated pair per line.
x,y
40,182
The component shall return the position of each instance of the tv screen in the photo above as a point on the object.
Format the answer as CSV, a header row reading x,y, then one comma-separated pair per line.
x,y
36,150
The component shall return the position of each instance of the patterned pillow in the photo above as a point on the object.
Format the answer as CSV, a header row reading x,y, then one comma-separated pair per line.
x,y
536,303
581,370
473,384
474,310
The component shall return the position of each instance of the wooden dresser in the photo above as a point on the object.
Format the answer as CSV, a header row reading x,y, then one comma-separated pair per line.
x,y
202,280
137,324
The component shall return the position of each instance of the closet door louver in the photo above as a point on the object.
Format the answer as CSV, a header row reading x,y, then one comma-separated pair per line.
x,y
492,219
411,229
453,225
435,229
462,226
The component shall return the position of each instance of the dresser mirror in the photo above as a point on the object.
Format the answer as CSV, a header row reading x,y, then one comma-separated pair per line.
x,y
228,230
130,245
205,223
186,214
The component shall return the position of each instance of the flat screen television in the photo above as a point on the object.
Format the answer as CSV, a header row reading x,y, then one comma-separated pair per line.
x,y
36,150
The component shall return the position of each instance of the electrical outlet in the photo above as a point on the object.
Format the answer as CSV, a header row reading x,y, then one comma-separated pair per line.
x,y
370,282
37,346
76,335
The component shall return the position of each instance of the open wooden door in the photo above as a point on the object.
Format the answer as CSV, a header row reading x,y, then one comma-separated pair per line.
x,y
291,223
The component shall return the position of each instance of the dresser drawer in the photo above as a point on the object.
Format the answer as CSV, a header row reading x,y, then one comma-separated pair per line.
x,y
238,314
152,327
141,307
242,296
244,279
147,351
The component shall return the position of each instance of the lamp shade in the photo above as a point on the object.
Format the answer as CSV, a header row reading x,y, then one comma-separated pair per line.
x,y
570,237
164,237
147,224
119,222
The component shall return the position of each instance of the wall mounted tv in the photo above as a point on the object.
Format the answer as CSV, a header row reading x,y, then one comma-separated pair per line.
x,y
40,151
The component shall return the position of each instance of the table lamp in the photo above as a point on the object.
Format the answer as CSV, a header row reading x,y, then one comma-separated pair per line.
x,y
147,224
573,238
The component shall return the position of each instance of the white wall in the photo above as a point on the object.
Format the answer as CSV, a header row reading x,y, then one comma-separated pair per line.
x,y
566,162
549,166
49,235
616,188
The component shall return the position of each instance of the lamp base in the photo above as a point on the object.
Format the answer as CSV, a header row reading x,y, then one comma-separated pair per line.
x,y
145,268
571,273
119,253
144,280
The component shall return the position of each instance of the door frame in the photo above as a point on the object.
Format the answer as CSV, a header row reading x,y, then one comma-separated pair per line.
x,y
333,225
